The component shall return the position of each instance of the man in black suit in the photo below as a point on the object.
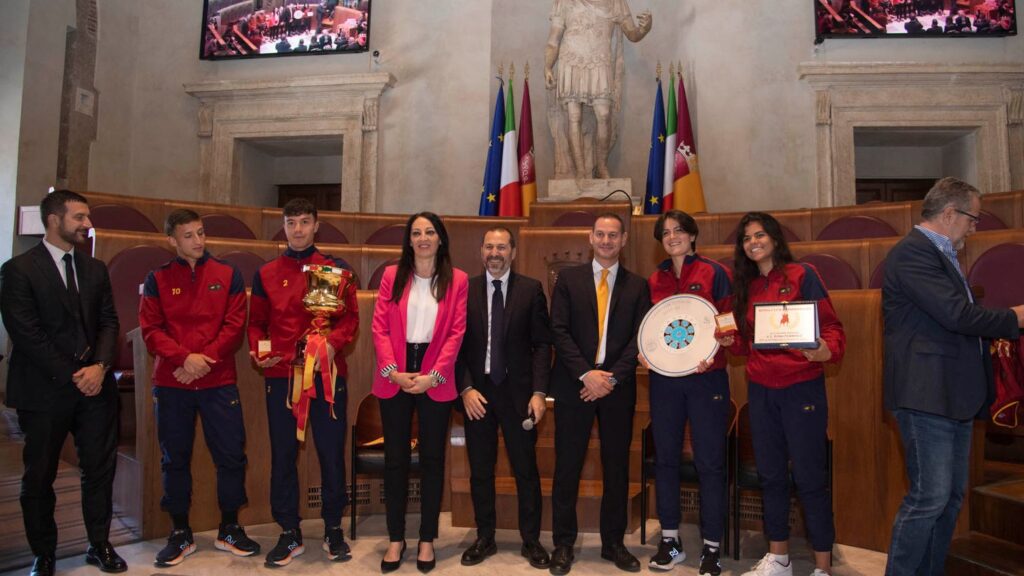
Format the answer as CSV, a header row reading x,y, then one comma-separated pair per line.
x,y
596,310
58,308
938,372
504,365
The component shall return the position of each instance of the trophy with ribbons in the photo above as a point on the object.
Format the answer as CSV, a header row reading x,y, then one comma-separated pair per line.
x,y
326,290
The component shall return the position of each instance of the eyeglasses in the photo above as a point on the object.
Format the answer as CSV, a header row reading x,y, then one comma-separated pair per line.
x,y
974,219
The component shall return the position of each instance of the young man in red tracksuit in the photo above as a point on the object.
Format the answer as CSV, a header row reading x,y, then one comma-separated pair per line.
x,y
192,315
277,314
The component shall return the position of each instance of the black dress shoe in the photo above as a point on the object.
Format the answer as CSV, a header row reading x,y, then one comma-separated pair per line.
x,y
43,566
388,566
425,566
620,555
561,560
536,554
104,556
479,551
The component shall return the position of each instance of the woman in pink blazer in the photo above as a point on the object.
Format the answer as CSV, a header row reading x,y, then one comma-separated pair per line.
x,y
418,324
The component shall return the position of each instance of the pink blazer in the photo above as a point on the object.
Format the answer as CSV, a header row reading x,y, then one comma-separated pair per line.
x,y
389,321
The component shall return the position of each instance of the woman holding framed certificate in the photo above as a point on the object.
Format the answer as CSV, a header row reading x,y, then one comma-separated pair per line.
x,y
786,384
701,398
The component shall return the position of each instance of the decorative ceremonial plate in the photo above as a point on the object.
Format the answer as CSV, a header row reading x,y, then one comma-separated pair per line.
x,y
677,334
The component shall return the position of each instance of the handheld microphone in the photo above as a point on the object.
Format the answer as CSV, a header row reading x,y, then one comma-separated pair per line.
x,y
529,423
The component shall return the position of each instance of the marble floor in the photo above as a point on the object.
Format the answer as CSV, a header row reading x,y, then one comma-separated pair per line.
x,y
369,548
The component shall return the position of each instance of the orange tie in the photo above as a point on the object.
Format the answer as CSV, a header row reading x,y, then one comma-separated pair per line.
x,y
602,307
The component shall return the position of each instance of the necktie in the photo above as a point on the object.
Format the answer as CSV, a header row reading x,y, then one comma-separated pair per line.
x,y
602,307
497,334
76,303
72,286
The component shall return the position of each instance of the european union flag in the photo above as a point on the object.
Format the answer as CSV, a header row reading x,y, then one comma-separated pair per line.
x,y
492,174
656,160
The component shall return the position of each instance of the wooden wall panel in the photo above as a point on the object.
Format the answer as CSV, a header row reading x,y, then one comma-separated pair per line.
x,y
544,214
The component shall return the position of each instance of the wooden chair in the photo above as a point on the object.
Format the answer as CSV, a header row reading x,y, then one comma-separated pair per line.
x,y
226,226
837,273
246,262
575,218
687,470
389,235
998,271
855,227
120,217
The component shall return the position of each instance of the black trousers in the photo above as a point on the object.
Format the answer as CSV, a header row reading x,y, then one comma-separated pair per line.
x,y
573,422
92,421
396,416
520,445
224,430
329,440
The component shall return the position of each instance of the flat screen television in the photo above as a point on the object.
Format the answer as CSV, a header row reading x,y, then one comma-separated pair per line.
x,y
234,29
914,18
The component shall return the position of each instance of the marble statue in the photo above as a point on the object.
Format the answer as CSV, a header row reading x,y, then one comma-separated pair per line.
x,y
583,68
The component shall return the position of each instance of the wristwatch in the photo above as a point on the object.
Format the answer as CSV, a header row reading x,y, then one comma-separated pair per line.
x,y
102,365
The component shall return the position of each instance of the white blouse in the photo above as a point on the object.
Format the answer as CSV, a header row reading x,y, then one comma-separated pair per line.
x,y
422,311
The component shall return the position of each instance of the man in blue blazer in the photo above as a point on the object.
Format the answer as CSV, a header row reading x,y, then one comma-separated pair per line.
x,y
938,373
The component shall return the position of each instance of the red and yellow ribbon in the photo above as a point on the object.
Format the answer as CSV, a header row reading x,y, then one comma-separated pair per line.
x,y
303,389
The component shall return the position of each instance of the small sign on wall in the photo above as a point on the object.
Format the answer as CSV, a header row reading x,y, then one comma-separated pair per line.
x,y
85,101
29,223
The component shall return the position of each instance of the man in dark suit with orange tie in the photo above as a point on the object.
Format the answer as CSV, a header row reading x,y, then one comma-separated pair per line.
x,y
596,310
503,373
58,308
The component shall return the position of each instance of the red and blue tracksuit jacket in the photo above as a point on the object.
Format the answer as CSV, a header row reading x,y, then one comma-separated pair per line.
x,y
185,311
276,310
783,368
700,276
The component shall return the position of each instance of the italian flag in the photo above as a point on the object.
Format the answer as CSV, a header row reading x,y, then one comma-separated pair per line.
x,y
670,149
510,201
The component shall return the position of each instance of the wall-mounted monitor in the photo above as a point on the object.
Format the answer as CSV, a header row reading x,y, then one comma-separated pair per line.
x,y
235,29
914,18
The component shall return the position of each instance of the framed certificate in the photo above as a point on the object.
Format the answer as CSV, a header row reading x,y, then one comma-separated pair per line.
x,y
786,325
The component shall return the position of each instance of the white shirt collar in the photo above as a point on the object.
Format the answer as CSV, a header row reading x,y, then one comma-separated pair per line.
x,y
612,270
57,253
504,277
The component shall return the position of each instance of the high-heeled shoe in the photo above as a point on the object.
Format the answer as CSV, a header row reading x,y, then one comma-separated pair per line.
x,y
388,566
425,566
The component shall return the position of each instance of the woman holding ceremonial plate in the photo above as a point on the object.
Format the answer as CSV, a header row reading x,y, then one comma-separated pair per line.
x,y
701,398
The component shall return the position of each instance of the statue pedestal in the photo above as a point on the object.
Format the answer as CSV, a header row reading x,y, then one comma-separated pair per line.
x,y
568,189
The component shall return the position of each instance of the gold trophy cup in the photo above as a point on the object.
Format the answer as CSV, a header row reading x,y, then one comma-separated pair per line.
x,y
326,290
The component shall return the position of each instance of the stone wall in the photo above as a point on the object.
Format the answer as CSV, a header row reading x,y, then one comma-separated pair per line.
x,y
754,118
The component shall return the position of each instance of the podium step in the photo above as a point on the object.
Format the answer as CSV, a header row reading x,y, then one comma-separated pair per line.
x,y
980,555
997,509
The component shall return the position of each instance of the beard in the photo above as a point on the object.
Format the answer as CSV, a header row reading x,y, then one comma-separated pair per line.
x,y
496,265
73,235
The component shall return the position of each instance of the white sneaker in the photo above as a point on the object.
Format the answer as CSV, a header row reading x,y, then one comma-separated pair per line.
x,y
769,567
819,572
